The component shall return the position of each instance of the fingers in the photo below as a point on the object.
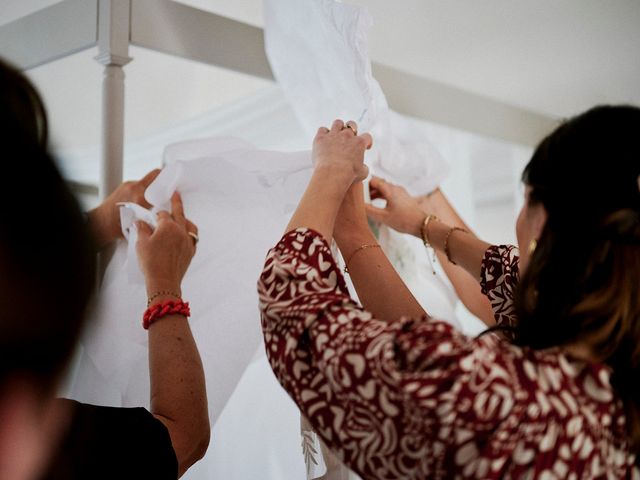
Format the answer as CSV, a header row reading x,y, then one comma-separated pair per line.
x,y
380,186
192,227
353,126
177,210
144,229
149,177
192,231
375,213
337,126
163,216
368,140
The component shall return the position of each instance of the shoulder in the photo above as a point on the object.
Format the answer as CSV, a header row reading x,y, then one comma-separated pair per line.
x,y
116,441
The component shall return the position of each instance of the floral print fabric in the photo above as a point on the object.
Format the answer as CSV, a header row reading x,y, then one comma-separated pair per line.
x,y
498,279
415,398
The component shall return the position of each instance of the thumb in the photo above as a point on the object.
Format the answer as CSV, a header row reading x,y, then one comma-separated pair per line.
x,y
381,186
150,177
375,213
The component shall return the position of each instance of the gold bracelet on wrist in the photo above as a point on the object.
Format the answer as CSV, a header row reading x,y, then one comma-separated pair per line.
x,y
359,249
447,252
155,295
424,230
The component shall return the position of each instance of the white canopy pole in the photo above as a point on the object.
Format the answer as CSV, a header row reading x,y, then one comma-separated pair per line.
x,y
113,53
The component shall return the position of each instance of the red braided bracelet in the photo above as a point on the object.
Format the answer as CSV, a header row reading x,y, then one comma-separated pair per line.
x,y
159,310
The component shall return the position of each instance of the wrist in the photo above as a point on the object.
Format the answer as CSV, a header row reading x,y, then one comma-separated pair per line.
x,y
333,174
352,239
416,223
158,288
155,298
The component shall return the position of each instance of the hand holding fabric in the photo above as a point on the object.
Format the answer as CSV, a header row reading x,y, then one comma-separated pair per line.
x,y
105,219
165,253
341,151
402,212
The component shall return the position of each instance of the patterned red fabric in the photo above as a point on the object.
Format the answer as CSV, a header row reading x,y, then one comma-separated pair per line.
x,y
499,277
415,398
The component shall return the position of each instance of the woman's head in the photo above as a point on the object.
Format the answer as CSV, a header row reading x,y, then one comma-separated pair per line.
x,y
582,279
47,269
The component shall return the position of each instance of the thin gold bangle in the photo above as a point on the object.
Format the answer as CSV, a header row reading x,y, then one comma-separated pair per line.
x,y
446,242
360,248
424,230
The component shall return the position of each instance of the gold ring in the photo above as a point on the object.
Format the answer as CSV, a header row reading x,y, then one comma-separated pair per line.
x,y
352,128
194,236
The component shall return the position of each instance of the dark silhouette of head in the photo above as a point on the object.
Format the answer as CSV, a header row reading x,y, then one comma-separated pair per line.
x,y
47,259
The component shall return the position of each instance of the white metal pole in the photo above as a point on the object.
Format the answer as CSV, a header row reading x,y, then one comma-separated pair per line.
x,y
112,148
113,43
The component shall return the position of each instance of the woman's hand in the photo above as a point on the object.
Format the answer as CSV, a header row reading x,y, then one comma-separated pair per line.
x,y
402,212
104,220
338,155
165,253
340,150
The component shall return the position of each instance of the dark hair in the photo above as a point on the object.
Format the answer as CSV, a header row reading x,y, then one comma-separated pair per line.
x,y
47,258
583,279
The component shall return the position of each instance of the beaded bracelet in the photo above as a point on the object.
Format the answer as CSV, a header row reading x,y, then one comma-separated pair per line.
x,y
446,242
163,309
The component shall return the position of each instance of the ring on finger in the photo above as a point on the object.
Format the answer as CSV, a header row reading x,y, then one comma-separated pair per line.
x,y
195,237
351,127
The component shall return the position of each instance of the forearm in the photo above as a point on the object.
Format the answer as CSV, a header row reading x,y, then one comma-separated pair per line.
x,y
379,287
178,393
464,249
464,281
321,201
438,204
456,247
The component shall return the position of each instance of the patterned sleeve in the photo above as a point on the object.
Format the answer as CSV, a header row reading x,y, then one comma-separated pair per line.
x,y
406,399
499,276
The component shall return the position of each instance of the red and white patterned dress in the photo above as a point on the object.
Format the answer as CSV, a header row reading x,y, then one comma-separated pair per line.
x,y
414,398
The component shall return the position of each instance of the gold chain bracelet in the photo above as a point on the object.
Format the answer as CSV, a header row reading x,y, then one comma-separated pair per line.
x,y
360,248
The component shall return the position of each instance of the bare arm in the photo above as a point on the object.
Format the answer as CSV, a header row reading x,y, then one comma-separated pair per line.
x,y
464,282
405,214
379,287
178,393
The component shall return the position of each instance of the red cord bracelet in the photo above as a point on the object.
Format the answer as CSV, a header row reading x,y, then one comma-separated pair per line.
x,y
159,310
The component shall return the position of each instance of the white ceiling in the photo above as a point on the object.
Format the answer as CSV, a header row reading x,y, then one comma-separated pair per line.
x,y
555,57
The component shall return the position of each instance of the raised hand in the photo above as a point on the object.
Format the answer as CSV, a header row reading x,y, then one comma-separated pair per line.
x,y
341,150
165,253
104,220
402,212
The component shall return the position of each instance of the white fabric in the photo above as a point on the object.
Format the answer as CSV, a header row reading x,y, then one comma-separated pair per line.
x,y
318,51
237,197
